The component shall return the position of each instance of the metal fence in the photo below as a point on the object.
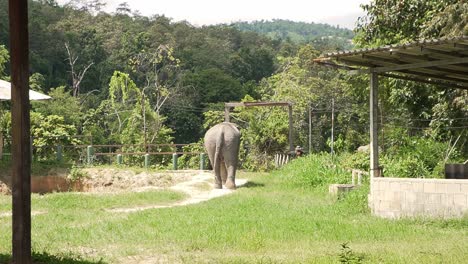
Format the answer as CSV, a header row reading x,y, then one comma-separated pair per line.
x,y
114,154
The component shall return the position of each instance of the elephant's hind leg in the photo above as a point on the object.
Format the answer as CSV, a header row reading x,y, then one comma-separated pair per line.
x,y
223,172
231,177
211,149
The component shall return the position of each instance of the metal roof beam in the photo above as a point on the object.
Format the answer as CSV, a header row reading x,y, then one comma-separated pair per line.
x,y
434,76
450,54
460,45
419,65
435,82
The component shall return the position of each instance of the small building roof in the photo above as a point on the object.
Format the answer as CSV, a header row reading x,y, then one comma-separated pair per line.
x,y
439,61
5,93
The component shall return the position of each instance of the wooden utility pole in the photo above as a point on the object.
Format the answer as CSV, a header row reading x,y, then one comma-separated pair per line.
x,y
374,145
21,150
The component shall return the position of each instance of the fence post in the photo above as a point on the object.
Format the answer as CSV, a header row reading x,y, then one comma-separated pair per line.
x,y
174,160
202,161
147,160
59,153
89,154
119,159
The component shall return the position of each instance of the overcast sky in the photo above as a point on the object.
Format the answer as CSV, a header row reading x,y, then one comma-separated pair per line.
x,y
203,12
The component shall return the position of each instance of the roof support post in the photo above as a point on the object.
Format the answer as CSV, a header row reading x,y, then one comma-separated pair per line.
x,y
374,143
21,149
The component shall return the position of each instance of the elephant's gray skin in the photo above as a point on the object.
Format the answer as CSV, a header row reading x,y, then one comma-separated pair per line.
x,y
222,145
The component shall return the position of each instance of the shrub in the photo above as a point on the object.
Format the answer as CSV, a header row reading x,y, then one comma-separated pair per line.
x,y
314,171
404,167
358,160
192,161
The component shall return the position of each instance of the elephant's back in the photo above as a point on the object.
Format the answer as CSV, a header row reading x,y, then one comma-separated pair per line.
x,y
229,131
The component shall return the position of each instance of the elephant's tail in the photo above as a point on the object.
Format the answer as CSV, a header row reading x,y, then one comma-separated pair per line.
x,y
217,158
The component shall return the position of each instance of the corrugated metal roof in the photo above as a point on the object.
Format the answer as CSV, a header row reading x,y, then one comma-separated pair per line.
x,y
443,61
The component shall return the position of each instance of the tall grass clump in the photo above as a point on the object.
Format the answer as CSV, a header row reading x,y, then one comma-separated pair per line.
x,y
315,170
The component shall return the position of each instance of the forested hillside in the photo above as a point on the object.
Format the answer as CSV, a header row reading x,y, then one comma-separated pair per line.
x,y
122,78
299,32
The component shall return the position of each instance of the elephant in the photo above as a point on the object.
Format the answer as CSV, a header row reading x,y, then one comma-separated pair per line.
x,y
222,143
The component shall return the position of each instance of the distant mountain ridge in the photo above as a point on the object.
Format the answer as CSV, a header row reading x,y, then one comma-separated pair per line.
x,y
298,32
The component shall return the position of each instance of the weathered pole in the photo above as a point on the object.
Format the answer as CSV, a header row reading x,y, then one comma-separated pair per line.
x,y
374,142
21,151
333,127
310,129
291,146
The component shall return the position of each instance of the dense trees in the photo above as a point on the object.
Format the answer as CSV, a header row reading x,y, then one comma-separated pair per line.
x,y
299,32
126,78
393,22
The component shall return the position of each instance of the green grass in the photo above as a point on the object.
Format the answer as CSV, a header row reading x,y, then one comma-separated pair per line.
x,y
274,219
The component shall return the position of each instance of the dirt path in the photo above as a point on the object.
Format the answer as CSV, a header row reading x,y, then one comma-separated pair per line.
x,y
198,185
33,213
199,189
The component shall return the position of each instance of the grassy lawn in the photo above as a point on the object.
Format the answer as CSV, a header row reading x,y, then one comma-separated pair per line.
x,y
268,221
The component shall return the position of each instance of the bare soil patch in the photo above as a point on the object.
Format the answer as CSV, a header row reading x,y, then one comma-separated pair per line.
x,y
198,185
114,180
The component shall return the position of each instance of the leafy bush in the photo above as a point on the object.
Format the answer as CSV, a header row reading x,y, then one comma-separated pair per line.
x,y
77,173
192,161
404,167
50,131
428,151
314,171
359,160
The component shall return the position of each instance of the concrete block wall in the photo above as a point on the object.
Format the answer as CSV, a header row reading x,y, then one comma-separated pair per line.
x,y
404,197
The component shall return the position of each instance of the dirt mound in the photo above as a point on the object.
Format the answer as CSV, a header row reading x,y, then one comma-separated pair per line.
x,y
102,180
111,179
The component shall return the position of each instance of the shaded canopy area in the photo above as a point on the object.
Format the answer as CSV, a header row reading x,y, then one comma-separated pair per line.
x,y
438,61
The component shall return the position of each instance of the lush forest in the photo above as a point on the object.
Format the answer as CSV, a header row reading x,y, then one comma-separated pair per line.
x,y
323,36
123,78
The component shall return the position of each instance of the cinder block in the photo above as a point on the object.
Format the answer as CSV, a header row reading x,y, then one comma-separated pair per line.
x,y
337,189
410,197
460,200
440,187
417,186
398,196
433,210
429,187
446,200
464,188
415,209
384,185
384,206
395,186
406,186
453,188
388,195
434,198
395,206
421,198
